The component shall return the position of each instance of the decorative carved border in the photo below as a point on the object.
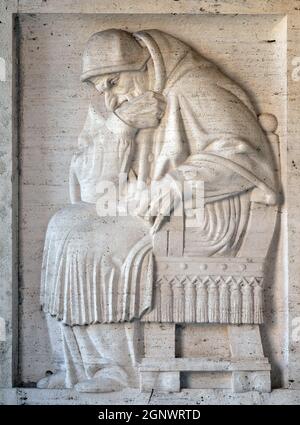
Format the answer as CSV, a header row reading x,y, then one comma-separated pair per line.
x,y
9,10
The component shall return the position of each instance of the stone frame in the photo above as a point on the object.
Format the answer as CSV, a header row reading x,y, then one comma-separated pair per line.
x,y
9,10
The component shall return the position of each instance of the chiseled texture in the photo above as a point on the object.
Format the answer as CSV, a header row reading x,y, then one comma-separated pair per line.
x,y
195,120
249,76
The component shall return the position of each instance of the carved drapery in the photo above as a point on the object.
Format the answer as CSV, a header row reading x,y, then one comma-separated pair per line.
x,y
170,113
228,291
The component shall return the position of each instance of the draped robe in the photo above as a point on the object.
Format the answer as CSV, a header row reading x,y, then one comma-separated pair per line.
x,y
209,127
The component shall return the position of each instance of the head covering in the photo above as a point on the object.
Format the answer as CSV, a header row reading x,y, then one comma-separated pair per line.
x,y
110,51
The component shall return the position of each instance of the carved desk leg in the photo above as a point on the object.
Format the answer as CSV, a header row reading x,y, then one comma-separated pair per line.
x,y
250,369
159,343
159,338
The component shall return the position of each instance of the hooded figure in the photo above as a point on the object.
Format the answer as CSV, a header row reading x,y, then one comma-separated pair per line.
x,y
208,129
208,118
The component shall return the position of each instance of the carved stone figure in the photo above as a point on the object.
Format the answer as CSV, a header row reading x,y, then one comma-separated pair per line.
x,y
172,117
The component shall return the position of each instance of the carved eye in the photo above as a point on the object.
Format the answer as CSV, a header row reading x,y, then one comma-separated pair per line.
x,y
113,81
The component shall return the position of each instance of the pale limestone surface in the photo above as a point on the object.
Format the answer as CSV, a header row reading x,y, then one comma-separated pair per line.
x,y
73,117
9,203
270,97
29,396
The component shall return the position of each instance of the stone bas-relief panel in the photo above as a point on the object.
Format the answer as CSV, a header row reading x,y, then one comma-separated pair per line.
x,y
98,272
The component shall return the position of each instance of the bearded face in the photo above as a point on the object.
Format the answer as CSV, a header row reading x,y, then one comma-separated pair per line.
x,y
120,87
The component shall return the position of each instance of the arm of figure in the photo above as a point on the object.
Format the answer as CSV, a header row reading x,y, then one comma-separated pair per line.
x,y
160,200
74,187
218,182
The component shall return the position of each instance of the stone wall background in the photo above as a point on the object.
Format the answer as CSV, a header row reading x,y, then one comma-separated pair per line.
x,y
250,49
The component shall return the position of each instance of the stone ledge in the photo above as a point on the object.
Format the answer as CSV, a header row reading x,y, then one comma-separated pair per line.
x,y
27,396
203,364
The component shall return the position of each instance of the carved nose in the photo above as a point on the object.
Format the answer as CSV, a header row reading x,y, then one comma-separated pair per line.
x,y
111,102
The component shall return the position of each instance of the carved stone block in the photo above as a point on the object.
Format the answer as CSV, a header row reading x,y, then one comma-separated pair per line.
x,y
172,263
251,381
